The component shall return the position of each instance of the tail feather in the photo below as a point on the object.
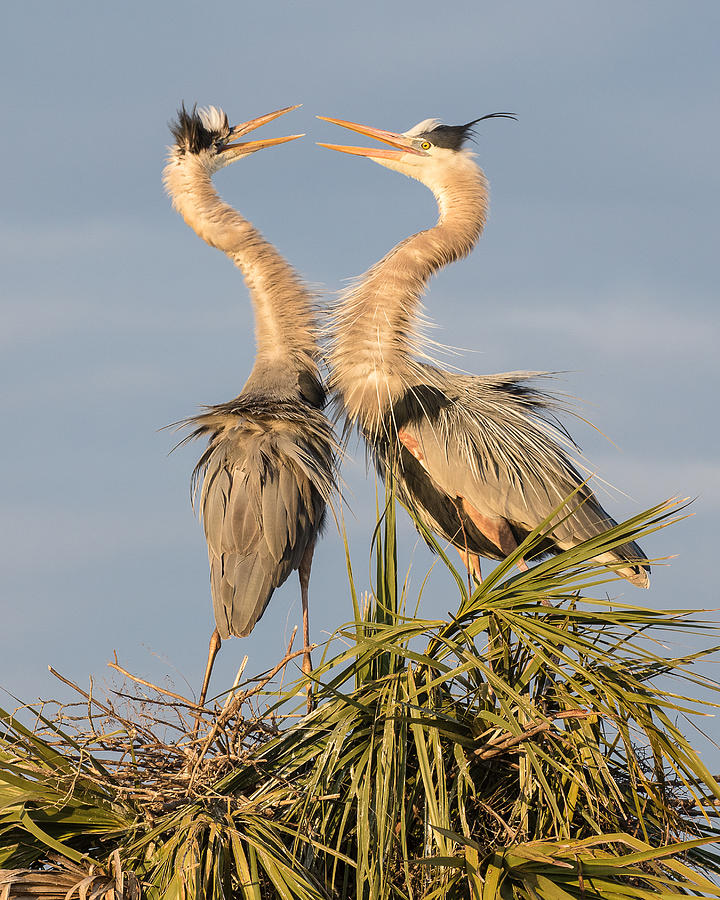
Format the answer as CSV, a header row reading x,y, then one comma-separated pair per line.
x,y
638,573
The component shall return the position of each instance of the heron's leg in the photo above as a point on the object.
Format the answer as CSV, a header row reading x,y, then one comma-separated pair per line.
x,y
474,561
471,561
304,576
500,534
215,643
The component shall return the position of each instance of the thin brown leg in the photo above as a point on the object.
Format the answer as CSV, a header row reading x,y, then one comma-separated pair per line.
x,y
507,543
471,561
215,643
304,575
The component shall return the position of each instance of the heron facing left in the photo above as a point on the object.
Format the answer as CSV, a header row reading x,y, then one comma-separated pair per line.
x,y
475,457
268,470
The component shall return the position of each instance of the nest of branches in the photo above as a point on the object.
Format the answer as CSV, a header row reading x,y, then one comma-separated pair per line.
x,y
150,746
527,747
143,749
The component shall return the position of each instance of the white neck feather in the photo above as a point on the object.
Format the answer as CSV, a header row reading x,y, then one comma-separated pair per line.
x,y
284,326
374,357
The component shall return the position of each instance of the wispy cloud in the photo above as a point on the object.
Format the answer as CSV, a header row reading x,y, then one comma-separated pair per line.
x,y
46,539
629,324
36,318
40,241
625,324
654,480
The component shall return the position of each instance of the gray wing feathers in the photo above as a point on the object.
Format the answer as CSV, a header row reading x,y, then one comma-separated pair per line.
x,y
217,484
252,579
262,504
275,518
492,448
287,487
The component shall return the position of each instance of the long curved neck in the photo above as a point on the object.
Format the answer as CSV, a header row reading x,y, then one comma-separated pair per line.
x,y
284,326
373,360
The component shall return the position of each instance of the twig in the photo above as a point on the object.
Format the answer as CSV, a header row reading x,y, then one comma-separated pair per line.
x,y
155,687
239,699
511,832
235,683
290,800
497,747
89,705
169,704
105,709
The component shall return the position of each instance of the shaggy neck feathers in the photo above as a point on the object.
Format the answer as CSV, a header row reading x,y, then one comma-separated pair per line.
x,y
284,325
374,359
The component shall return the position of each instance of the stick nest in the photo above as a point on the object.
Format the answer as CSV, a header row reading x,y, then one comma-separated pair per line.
x,y
150,746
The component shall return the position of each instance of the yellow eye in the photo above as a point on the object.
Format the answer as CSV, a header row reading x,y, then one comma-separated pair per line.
x,y
425,145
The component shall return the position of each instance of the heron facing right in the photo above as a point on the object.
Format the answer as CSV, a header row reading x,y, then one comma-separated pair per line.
x,y
268,470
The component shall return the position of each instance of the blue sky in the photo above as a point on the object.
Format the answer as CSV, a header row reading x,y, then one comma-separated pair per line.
x,y
599,260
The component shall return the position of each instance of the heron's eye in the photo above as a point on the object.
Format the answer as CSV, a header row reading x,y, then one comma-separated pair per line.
x,y
425,145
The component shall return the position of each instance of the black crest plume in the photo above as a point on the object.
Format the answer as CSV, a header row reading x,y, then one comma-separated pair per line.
x,y
189,132
452,137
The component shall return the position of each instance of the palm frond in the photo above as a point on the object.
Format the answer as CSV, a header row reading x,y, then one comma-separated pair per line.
x,y
530,745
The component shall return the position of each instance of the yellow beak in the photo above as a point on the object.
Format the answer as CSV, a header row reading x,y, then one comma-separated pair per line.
x,y
402,143
244,147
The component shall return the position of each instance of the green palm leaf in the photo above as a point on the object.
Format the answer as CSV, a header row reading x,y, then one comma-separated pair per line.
x,y
529,746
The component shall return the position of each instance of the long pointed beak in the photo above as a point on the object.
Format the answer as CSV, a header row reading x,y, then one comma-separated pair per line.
x,y
402,143
243,148
245,127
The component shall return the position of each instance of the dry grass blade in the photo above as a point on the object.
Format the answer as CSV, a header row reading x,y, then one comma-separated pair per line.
x,y
65,881
528,747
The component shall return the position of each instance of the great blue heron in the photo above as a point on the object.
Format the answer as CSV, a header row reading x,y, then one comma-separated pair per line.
x,y
268,470
474,456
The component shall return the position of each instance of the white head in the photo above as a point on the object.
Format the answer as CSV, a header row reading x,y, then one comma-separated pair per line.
x,y
205,135
426,151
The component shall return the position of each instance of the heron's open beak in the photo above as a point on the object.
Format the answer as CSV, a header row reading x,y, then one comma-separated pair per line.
x,y
403,144
243,148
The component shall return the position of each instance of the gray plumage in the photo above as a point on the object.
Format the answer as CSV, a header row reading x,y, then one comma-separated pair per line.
x,y
268,470
266,475
476,457
490,441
